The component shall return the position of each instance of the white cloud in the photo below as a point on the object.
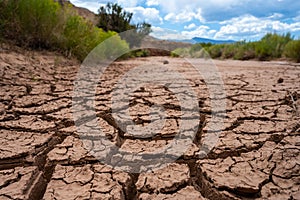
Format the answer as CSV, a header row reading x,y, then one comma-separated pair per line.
x,y
248,25
152,3
218,10
297,18
191,26
149,15
128,3
276,16
167,34
201,31
184,16
231,19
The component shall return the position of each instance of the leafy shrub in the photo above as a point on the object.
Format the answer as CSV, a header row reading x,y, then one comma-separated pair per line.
x,y
45,24
271,46
228,51
215,51
244,51
29,22
181,52
292,50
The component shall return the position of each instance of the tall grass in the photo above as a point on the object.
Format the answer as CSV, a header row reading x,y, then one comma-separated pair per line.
x,y
45,24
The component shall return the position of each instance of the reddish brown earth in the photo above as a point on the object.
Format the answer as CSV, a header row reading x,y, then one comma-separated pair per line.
x,y
257,155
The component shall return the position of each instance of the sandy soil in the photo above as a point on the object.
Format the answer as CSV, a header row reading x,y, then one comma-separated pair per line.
x,y
257,155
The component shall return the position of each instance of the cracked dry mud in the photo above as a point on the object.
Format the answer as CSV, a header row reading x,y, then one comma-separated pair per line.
x,y
42,156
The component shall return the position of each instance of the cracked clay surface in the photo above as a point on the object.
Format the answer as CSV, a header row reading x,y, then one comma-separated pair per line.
x,y
42,156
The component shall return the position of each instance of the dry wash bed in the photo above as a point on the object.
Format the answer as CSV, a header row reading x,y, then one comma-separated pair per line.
x,y
41,156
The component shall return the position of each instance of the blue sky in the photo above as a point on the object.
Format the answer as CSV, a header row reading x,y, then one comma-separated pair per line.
x,y
215,19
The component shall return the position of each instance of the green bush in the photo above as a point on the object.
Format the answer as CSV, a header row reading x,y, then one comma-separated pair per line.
x,y
45,24
181,52
292,50
244,50
29,22
215,51
228,51
271,46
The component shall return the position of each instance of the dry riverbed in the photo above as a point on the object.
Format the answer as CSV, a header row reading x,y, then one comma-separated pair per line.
x,y
257,155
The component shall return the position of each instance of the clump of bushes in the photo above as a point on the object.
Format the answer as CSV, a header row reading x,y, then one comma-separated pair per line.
x,y
292,50
46,24
271,46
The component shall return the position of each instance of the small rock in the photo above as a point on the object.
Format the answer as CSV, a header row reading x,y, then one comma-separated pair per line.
x,y
280,80
166,62
28,89
52,88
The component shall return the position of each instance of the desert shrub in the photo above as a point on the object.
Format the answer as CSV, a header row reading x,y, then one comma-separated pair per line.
x,y
29,22
181,52
292,50
244,50
137,53
215,51
45,24
199,50
271,46
201,54
228,51
195,48
79,37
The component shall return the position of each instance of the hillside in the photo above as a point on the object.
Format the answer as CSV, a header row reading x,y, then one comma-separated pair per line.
x,y
87,14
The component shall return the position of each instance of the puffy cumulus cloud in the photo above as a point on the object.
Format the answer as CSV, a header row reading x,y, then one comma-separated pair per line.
x,y
127,3
297,18
201,31
184,16
191,8
152,2
167,34
250,27
276,16
149,15
190,26
218,10
179,18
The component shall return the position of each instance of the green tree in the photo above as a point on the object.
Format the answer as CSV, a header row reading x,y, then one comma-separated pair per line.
x,y
112,17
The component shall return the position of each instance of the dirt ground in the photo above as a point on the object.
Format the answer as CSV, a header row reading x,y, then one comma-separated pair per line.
x,y
257,155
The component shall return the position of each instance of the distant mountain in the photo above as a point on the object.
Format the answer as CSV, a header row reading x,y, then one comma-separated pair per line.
x,y
205,40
